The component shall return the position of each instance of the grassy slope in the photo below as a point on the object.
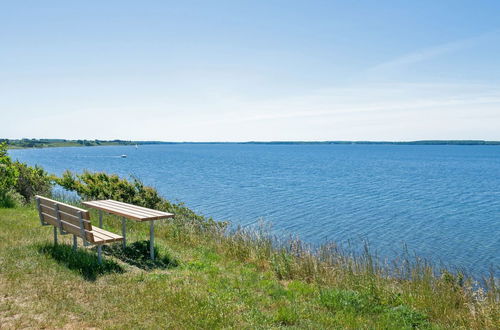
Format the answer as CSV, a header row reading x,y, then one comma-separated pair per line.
x,y
43,286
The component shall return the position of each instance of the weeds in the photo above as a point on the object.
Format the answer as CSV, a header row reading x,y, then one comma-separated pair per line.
x,y
82,261
137,254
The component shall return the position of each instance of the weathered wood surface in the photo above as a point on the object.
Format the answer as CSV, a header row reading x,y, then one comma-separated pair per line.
x,y
129,211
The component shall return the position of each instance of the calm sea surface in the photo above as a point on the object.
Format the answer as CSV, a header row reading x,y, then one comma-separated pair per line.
x,y
442,201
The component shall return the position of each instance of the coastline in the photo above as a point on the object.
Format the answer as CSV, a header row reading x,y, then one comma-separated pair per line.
x,y
61,143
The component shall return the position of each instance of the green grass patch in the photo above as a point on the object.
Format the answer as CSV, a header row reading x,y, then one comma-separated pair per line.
x,y
81,261
204,281
138,255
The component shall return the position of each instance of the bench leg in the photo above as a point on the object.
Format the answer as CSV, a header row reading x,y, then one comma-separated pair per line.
x,y
152,240
55,235
124,232
75,243
99,254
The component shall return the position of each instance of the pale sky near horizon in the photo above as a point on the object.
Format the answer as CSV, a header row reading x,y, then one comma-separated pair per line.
x,y
250,70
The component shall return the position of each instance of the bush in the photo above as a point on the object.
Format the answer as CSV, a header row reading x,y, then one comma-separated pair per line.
x,y
11,199
99,185
31,181
19,183
8,177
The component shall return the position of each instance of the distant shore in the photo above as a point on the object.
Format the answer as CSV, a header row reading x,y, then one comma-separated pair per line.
x,y
54,143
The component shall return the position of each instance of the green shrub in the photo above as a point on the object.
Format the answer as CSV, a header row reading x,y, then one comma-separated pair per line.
x,y
11,199
8,177
31,181
19,183
100,185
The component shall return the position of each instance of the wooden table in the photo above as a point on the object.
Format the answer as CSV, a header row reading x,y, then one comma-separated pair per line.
x,y
133,212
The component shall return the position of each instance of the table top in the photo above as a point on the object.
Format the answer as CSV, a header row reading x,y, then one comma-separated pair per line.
x,y
129,211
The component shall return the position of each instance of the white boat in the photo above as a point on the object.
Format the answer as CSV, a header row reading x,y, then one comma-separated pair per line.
x,y
123,156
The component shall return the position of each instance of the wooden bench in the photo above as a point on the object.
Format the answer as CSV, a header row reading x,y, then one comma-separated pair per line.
x,y
73,220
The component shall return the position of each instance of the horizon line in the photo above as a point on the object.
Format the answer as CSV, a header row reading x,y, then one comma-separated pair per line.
x,y
475,141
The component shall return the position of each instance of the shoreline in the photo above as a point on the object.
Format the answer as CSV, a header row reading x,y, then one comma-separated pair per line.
x,y
61,143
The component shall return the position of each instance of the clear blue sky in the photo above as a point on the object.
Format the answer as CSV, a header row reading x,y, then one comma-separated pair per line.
x,y
250,70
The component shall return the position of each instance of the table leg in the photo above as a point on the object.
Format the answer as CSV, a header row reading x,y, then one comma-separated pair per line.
x,y
152,239
75,243
124,232
99,254
55,235
100,219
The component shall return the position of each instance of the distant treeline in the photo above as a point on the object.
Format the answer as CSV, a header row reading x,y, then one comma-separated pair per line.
x,y
43,143
421,142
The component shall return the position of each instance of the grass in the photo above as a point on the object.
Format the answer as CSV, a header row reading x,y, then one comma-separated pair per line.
x,y
208,279
137,254
81,261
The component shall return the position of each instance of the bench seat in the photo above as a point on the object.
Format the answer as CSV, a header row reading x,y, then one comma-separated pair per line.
x,y
102,236
73,220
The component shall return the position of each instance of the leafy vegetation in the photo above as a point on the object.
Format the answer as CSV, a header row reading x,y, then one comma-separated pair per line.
x,y
32,181
100,185
8,177
19,183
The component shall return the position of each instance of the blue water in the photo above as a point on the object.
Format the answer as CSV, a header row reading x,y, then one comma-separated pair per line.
x,y
442,201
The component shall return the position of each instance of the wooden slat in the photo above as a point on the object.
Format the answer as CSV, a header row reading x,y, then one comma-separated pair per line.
x,y
116,211
107,233
67,212
73,219
63,206
146,210
68,227
48,209
104,205
50,219
132,210
128,210
99,238
102,236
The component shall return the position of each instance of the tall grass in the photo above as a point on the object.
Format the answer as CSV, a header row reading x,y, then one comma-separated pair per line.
x,y
409,287
209,277
409,291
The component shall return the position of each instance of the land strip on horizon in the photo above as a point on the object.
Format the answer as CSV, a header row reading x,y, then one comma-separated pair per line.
x,y
46,143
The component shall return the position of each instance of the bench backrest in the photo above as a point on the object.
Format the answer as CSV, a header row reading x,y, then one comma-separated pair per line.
x,y
68,218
